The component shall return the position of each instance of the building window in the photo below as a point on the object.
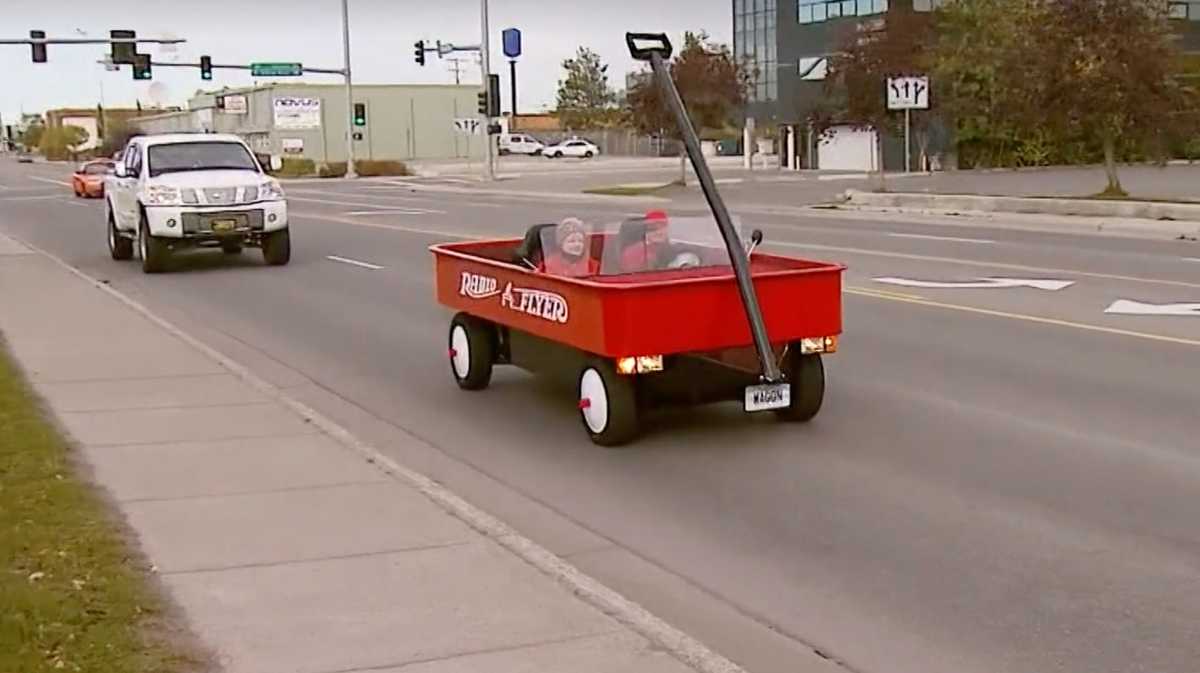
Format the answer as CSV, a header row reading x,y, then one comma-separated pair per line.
x,y
754,37
927,5
815,11
1177,10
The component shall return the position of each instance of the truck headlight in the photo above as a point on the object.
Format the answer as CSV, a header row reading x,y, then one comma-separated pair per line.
x,y
270,191
159,195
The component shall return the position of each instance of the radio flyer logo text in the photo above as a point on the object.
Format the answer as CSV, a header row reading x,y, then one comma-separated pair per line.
x,y
548,306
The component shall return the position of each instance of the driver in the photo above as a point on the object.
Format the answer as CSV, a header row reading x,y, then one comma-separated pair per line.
x,y
643,253
569,257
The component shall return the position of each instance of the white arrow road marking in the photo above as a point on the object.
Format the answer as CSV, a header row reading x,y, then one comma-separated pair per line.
x,y
941,238
1128,307
982,283
353,262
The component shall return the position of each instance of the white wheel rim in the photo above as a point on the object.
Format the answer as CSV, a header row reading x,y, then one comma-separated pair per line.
x,y
461,357
142,247
112,237
591,389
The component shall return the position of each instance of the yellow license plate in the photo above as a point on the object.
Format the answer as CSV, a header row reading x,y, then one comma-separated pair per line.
x,y
224,225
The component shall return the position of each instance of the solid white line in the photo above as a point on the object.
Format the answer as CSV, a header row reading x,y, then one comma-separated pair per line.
x,y
358,204
941,238
1191,259
393,211
44,197
977,262
53,182
353,262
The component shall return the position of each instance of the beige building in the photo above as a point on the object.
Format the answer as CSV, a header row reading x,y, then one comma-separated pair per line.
x,y
305,120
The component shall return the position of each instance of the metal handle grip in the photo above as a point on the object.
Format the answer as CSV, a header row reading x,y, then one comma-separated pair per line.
x,y
642,45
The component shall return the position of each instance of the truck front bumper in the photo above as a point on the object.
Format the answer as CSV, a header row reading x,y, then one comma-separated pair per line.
x,y
215,223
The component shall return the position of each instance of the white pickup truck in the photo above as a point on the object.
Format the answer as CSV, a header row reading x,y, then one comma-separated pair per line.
x,y
171,192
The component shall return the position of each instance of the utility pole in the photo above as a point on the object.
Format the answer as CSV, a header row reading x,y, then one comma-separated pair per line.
x,y
489,169
350,173
457,69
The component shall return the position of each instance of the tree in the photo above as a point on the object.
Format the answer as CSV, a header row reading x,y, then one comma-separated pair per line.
x,y
711,83
32,137
868,54
61,142
1107,73
977,62
585,100
116,136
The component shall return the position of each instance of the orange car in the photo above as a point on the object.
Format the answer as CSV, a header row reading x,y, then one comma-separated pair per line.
x,y
88,180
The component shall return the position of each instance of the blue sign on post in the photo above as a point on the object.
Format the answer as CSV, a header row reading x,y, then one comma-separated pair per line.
x,y
512,42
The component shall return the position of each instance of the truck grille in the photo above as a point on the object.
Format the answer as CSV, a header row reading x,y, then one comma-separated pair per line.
x,y
201,223
220,195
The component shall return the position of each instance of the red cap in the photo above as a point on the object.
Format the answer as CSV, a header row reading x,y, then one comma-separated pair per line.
x,y
656,216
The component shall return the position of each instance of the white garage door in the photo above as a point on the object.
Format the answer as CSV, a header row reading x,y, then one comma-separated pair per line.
x,y
846,148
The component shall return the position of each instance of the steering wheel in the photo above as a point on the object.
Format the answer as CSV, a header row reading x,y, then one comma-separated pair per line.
x,y
684,260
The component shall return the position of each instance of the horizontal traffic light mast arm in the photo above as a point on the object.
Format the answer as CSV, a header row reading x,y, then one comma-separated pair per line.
x,y
85,40
217,66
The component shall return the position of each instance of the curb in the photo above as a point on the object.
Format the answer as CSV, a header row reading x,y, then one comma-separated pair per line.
x,y
681,646
1183,217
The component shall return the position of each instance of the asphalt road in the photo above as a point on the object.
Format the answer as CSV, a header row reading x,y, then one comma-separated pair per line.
x,y
1002,480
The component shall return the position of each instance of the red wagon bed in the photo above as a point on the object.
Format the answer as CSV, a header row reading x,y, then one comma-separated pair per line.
x,y
650,313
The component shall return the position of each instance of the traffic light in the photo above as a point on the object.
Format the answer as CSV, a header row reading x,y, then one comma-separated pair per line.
x,y
141,66
420,52
206,67
483,102
39,50
493,96
360,114
123,53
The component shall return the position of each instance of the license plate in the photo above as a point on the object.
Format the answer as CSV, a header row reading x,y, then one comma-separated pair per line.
x,y
224,225
768,396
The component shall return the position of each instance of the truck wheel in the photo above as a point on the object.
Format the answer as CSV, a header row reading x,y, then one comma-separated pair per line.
x,y
119,247
607,404
806,375
277,248
472,351
153,250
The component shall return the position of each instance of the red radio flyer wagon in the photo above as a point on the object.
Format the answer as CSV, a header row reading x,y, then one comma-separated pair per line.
x,y
709,321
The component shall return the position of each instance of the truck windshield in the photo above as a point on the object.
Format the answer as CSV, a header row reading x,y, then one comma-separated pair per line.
x,y
202,156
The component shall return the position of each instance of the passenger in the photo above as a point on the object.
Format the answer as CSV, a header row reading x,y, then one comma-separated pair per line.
x,y
642,253
570,254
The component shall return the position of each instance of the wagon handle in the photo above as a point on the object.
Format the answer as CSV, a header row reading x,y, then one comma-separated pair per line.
x,y
654,53
641,45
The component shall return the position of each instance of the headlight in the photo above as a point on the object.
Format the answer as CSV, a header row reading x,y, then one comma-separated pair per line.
x,y
270,191
158,195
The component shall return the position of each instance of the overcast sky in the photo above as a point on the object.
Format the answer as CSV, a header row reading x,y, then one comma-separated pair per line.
x,y
309,31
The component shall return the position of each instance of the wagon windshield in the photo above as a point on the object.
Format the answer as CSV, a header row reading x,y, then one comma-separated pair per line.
x,y
637,245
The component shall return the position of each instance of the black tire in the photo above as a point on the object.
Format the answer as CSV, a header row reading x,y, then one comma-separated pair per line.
x,y
588,154
557,155
472,350
119,247
231,248
277,247
153,250
608,406
806,374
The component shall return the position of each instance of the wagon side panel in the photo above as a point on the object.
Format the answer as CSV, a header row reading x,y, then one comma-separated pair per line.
x,y
542,305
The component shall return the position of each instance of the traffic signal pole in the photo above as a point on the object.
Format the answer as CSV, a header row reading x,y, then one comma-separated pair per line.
x,y
350,172
489,164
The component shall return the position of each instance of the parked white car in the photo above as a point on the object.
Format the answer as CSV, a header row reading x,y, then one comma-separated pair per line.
x,y
574,147
171,192
520,143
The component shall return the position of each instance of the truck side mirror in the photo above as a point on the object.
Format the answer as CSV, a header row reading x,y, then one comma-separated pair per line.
x,y
119,170
276,163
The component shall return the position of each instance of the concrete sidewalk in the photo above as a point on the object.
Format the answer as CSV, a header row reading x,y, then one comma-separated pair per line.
x,y
288,547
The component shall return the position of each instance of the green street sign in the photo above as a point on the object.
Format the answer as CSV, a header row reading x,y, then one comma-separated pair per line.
x,y
276,69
